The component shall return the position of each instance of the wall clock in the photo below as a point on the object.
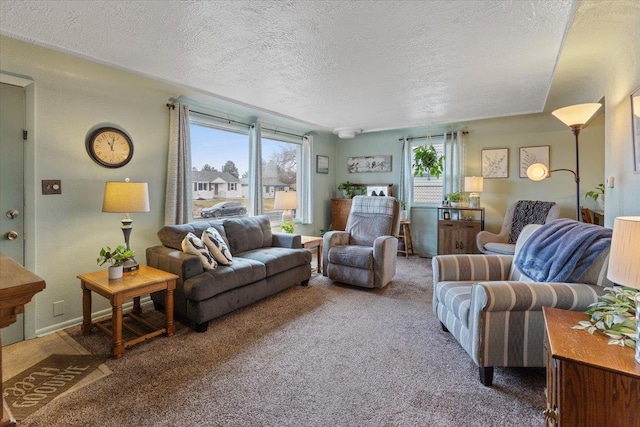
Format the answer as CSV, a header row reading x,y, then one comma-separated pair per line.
x,y
110,147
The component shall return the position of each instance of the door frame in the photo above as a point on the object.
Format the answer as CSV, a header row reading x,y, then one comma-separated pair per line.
x,y
29,188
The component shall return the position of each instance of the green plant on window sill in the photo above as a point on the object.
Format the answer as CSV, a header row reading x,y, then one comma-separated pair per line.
x,y
614,315
287,226
115,256
426,160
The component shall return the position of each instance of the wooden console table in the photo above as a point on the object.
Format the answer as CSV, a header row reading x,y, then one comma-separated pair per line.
x,y
589,383
17,286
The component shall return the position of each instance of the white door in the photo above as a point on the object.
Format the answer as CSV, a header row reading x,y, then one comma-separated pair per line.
x,y
12,118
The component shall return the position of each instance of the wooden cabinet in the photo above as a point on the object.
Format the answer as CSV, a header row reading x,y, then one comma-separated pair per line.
x,y
457,230
339,213
589,383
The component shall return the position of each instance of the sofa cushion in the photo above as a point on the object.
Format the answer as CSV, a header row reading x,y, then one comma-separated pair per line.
x,y
245,234
192,244
225,277
216,245
171,235
500,248
352,256
278,259
456,296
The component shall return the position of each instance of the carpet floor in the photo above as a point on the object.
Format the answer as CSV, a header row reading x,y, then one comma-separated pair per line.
x,y
322,355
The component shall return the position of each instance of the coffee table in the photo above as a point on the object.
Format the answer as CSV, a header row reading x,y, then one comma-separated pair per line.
x,y
309,242
133,284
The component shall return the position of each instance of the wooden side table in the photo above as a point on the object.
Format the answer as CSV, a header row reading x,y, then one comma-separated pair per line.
x,y
132,285
309,242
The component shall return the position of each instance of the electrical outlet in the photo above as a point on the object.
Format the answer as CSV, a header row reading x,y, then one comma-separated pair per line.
x,y
51,186
58,308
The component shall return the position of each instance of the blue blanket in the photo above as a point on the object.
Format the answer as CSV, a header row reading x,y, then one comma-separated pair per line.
x,y
562,250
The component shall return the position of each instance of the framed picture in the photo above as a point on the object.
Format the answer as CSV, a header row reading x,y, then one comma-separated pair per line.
x,y
495,163
379,163
322,164
635,118
531,155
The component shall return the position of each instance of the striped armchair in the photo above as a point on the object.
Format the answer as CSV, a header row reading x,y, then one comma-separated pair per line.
x,y
495,312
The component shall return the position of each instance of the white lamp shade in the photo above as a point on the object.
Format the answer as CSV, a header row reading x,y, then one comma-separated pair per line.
x,y
576,115
473,184
125,197
537,172
624,258
286,200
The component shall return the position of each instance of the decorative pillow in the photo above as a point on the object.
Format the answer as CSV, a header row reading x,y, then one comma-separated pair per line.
x,y
214,241
191,244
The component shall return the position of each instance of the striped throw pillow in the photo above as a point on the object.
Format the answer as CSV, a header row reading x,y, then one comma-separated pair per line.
x,y
191,244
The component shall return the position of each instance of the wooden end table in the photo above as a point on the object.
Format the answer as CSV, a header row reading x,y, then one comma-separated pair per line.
x,y
309,242
133,284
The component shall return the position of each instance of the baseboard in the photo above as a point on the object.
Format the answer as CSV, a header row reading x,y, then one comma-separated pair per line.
x,y
144,301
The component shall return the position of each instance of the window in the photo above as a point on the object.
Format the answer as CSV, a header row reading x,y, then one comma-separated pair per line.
x,y
429,189
220,165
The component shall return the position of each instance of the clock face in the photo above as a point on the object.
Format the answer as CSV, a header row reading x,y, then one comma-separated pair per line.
x,y
110,147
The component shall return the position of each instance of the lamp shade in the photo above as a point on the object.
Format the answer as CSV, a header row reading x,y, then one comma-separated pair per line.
x,y
624,258
125,197
537,172
286,200
576,115
473,184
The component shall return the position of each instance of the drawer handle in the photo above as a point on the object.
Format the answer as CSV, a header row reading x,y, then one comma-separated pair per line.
x,y
549,414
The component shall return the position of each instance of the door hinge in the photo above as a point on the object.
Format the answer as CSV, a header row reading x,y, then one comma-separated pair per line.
x,y
24,135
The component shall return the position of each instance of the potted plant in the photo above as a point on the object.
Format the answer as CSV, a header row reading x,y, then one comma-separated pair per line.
x,y
426,160
116,257
597,195
456,199
403,213
287,226
349,189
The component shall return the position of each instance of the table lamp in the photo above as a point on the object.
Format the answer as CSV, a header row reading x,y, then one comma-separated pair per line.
x,y
125,197
286,200
624,263
474,185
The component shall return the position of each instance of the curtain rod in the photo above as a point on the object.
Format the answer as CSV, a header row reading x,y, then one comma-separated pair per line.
x,y
428,136
276,131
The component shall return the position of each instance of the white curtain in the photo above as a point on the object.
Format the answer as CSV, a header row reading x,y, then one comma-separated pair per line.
x,y
406,174
454,162
179,194
255,166
305,184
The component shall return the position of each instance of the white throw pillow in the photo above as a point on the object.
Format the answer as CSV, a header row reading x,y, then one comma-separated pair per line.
x,y
218,248
192,244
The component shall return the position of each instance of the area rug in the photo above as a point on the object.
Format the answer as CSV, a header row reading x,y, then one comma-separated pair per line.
x,y
36,386
321,355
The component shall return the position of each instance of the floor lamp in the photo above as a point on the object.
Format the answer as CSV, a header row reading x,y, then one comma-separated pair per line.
x,y
125,197
574,116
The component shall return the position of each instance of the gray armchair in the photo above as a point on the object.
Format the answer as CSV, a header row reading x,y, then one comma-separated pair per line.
x,y
518,215
365,253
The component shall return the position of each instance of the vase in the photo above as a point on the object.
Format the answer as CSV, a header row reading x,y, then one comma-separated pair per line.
x,y
600,202
403,215
115,272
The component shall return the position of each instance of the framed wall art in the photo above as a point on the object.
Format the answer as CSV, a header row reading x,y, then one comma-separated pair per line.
x,y
531,155
635,118
379,163
495,163
322,164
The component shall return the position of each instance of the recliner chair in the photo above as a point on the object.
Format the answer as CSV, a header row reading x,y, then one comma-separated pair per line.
x,y
365,253
524,212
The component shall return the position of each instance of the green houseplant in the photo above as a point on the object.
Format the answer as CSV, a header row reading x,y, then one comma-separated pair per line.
x,y
426,160
597,195
349,189
456,198
287,226
116,257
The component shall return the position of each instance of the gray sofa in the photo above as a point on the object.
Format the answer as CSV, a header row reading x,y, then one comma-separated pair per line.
x,y
264,263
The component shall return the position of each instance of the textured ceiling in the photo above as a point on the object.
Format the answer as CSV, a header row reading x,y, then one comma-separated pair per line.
x,y
330,64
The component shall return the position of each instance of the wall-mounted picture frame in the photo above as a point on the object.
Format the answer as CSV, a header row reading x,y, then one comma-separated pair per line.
x,y
322,164
531,155
378,163
495,163
635,119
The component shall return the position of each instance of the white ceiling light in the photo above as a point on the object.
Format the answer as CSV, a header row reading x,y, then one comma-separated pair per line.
x,y
346,133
